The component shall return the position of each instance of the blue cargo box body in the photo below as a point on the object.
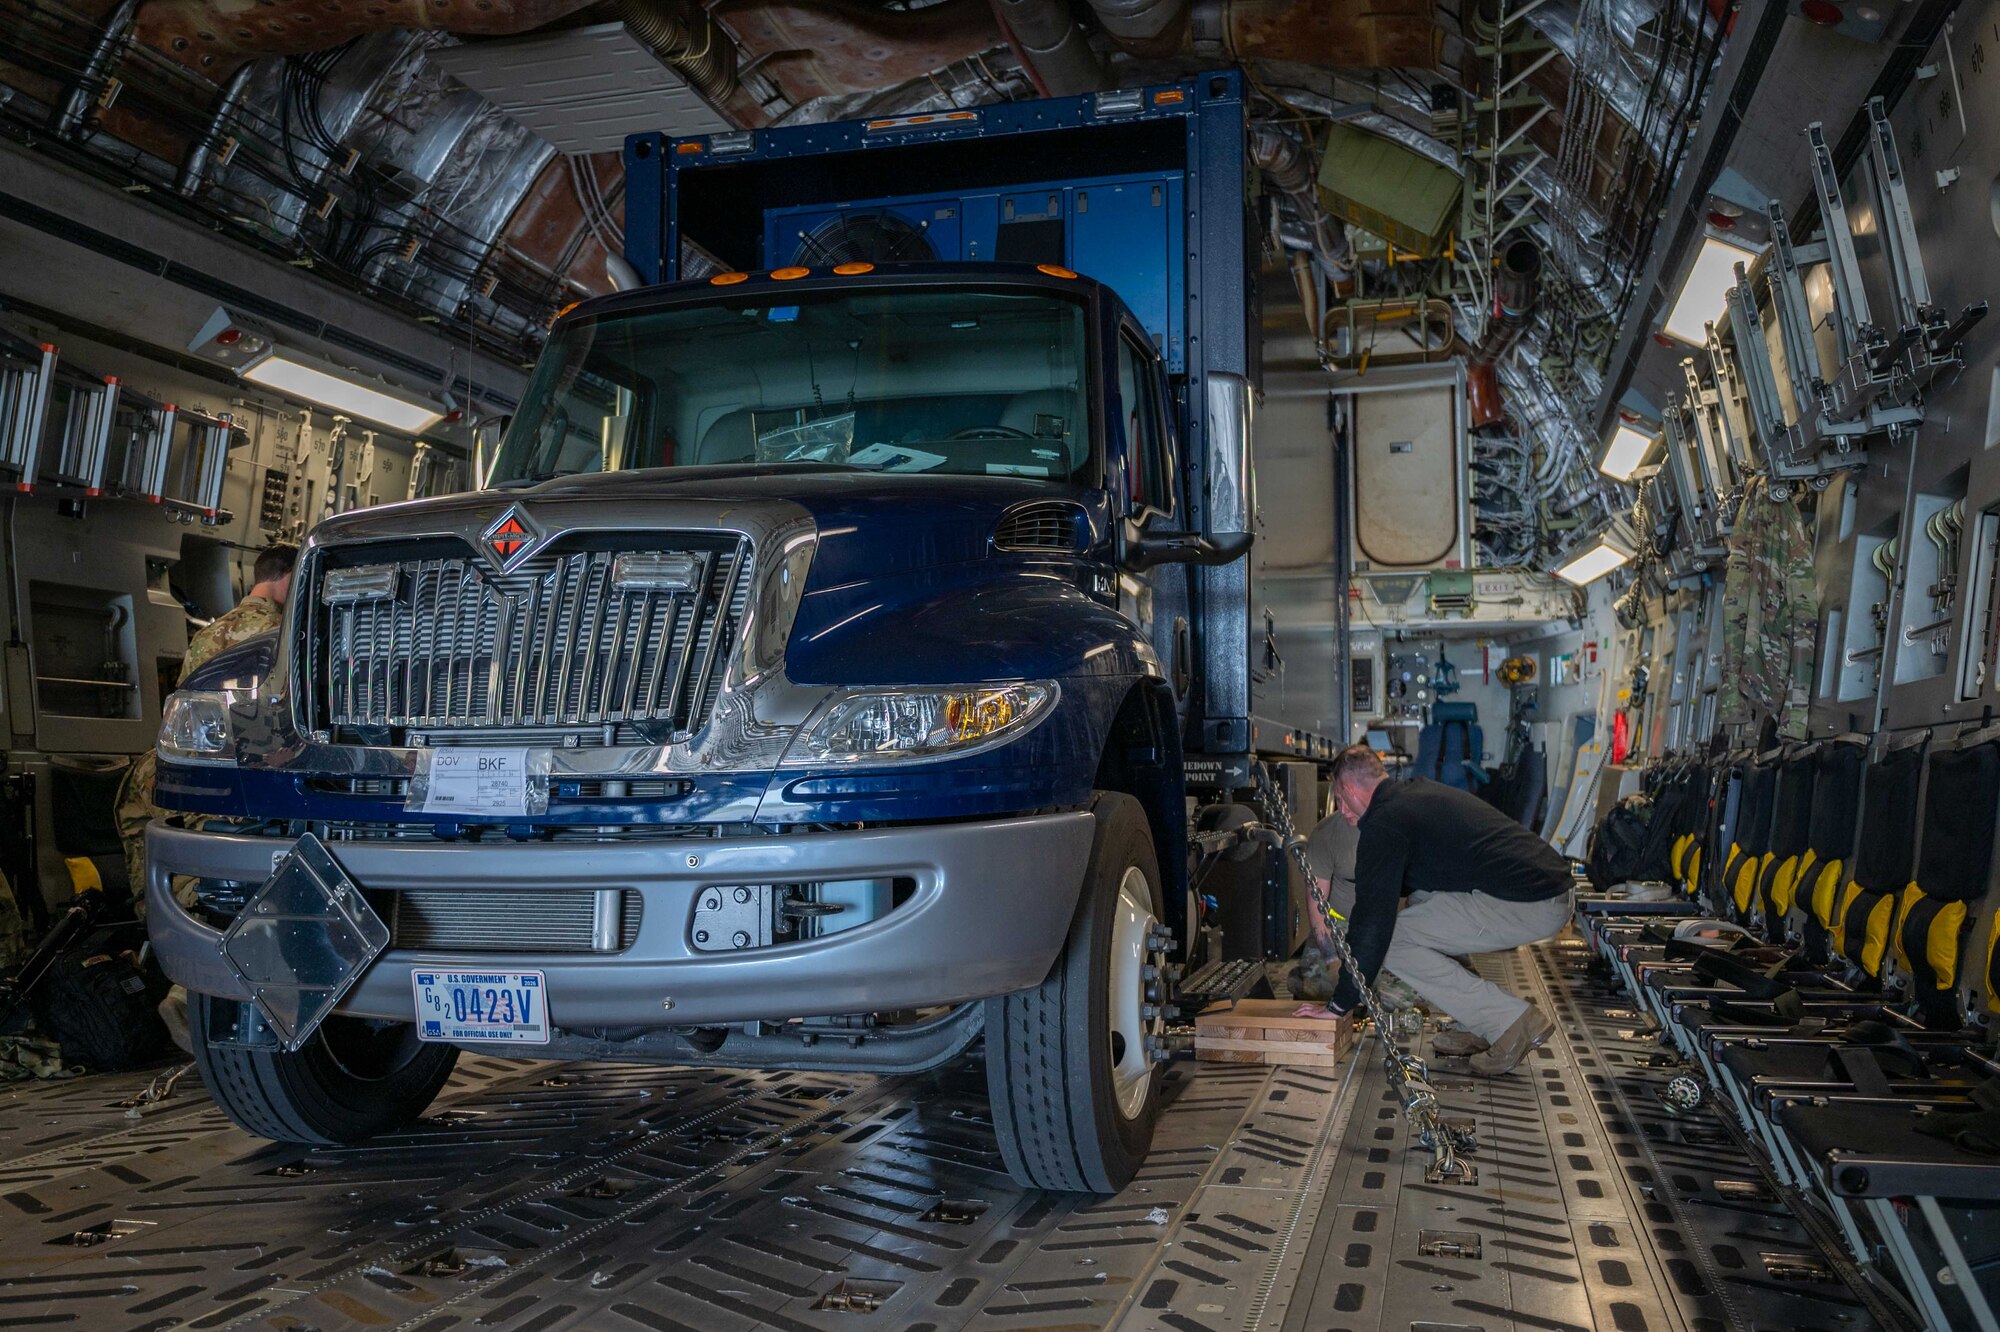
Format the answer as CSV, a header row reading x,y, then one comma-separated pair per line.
x,y
1144,190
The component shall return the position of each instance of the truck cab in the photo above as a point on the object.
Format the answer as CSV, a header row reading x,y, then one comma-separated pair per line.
x,y
801,606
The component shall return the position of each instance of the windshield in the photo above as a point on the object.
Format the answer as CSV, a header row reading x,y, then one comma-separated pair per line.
x,y
967,383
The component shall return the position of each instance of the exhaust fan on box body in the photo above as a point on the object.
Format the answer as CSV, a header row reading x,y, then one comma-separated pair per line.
x,y
875,238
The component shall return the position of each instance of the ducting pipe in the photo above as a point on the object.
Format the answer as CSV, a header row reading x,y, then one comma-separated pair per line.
x,y
1485,406
1144,27
217,35
1051,46
1307,283
1381,34
620,273
1517,287
189,183
689,44
1283,161
831,48
90,84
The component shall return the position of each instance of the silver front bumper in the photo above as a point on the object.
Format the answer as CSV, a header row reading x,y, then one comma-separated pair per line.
x,y
992,906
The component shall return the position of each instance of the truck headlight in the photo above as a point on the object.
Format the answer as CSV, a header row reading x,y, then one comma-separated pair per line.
x,y
195,726
895,725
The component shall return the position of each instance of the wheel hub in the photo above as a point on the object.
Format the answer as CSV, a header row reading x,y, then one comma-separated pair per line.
x,y
1138,1007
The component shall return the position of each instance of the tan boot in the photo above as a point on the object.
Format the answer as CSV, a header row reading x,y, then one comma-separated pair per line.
x,y
174,1012
1529,1032
1457,1044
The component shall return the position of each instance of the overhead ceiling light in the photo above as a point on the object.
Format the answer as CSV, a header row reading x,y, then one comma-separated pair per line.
x,y
1622,456
1600,558
339,389
1705,290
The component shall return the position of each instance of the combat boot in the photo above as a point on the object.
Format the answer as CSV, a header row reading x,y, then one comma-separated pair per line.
x,y
1529,1032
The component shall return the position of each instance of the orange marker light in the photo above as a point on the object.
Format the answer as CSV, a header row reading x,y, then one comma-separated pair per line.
x,y
1055,270
567,308
788,274
728,279
850,270
1169,97
687,147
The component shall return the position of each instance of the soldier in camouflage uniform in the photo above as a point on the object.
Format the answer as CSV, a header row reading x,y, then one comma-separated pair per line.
x,y
1770,616
260,612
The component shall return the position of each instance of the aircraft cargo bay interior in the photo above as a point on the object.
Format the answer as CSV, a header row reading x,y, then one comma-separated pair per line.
x,y
1164,665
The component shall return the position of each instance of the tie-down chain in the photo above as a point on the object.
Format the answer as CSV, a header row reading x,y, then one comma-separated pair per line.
x,y
1408,1075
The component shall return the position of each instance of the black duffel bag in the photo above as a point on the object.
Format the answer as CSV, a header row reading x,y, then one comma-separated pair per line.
x,y
102,1009
1620,848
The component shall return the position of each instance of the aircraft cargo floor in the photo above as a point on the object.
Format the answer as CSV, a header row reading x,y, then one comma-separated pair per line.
x,y
539,1197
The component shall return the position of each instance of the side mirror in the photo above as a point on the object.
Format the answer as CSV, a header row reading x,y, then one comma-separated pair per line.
x,y
1142,550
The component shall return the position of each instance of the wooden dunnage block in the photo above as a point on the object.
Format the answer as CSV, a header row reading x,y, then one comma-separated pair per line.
x,y
1263,1031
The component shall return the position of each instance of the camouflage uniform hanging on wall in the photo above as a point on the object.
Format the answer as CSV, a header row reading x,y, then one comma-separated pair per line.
x,y
1770,617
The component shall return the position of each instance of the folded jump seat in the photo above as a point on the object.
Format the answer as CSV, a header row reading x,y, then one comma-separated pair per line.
x,y
1696,783
1843,907
1860,1057
1678,789
1914,941
1612,921
1791,822
1745,1043
1902,1147
1684,822
1734,963
1839,767
1632,942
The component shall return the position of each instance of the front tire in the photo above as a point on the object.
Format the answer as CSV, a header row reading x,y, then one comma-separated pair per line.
x,y
1071,1066
353,1080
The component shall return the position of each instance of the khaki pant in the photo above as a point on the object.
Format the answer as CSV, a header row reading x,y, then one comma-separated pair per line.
x,y
1436,928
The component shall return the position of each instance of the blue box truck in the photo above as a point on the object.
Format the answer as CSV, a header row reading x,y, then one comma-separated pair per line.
x,y
821,675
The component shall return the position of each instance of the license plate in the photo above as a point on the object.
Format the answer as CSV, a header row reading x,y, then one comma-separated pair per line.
x,y
505,1007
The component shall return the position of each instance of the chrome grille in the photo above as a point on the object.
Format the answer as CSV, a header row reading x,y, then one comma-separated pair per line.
x,y
556,920
552,645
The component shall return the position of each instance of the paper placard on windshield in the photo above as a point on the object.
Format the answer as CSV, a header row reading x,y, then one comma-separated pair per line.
x,y
486,782
1015,469
896,458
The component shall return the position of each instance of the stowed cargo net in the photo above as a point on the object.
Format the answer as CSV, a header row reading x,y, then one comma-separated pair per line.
x,y
558,642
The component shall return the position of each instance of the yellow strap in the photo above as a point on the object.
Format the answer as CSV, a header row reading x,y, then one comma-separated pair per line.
x,y
1678,858
1746,881
1693,883
1911,896
1941,943
1875,935
1782,883
1847,896
1801,879
1825,884
83,876
1992,943
1940,937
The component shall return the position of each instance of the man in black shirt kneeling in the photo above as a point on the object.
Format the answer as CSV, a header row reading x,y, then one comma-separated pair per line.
x,y
1477,882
